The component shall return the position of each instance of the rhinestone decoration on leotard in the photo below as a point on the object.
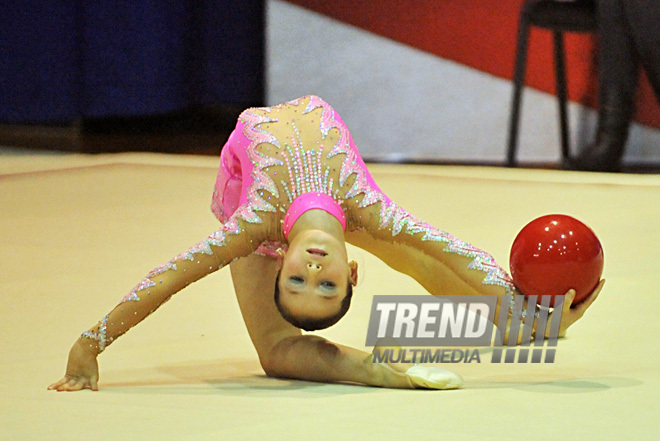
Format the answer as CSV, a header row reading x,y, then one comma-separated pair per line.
x,y
394,217
391,215
216,239
306,170
133,295
350,165
100,336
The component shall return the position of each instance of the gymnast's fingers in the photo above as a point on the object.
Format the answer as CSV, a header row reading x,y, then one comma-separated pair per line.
x,y
568,301
58,384
75,384
592,297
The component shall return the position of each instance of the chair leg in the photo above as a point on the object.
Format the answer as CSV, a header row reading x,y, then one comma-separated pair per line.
x,y
518,82
560,76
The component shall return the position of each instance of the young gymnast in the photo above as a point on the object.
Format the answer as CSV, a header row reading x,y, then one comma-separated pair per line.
x,y
291,191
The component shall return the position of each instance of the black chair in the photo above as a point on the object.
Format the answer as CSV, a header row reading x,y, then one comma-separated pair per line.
x,y
559,17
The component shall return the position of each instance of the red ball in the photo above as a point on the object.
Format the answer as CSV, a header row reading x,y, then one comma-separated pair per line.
x,y
553,254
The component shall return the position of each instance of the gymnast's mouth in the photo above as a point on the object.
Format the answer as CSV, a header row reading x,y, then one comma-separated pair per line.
x,y
317,252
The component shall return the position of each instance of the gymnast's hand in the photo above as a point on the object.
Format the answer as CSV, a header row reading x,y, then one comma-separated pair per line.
x,y
82,370
572,313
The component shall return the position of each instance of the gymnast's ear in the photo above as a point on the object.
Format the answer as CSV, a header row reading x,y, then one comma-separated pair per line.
x,y
354,272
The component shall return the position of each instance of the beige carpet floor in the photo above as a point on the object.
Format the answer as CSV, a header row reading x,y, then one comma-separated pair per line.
x,y
78,232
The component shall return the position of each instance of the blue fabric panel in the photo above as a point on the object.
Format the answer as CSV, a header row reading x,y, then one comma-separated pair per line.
x,y
39,61
67,59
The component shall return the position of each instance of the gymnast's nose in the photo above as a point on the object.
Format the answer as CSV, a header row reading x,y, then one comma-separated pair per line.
x,y
314,267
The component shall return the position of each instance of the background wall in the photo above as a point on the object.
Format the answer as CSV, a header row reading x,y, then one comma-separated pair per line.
x,y
61,61
430,80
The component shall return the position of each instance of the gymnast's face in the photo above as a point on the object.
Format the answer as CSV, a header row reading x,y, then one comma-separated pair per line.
x,y
315,275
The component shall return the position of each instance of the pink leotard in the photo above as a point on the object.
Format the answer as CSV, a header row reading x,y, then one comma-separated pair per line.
x,y
285,159
311,201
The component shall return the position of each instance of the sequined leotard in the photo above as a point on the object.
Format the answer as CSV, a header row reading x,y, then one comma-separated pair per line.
x,y
274,156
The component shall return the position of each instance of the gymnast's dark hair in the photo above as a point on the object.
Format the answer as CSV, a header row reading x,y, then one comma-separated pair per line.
x,y
313,324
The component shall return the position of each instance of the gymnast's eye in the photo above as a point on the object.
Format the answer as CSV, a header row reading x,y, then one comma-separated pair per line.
x,y
328,284
296,279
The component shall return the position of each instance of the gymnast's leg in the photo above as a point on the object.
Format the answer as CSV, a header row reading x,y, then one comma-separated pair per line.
x,y
286,353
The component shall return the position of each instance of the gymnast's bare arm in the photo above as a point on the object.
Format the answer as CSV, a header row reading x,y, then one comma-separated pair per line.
x,y
282,348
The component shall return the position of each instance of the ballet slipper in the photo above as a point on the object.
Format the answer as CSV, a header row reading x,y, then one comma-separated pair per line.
x,y
431,377
419,377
